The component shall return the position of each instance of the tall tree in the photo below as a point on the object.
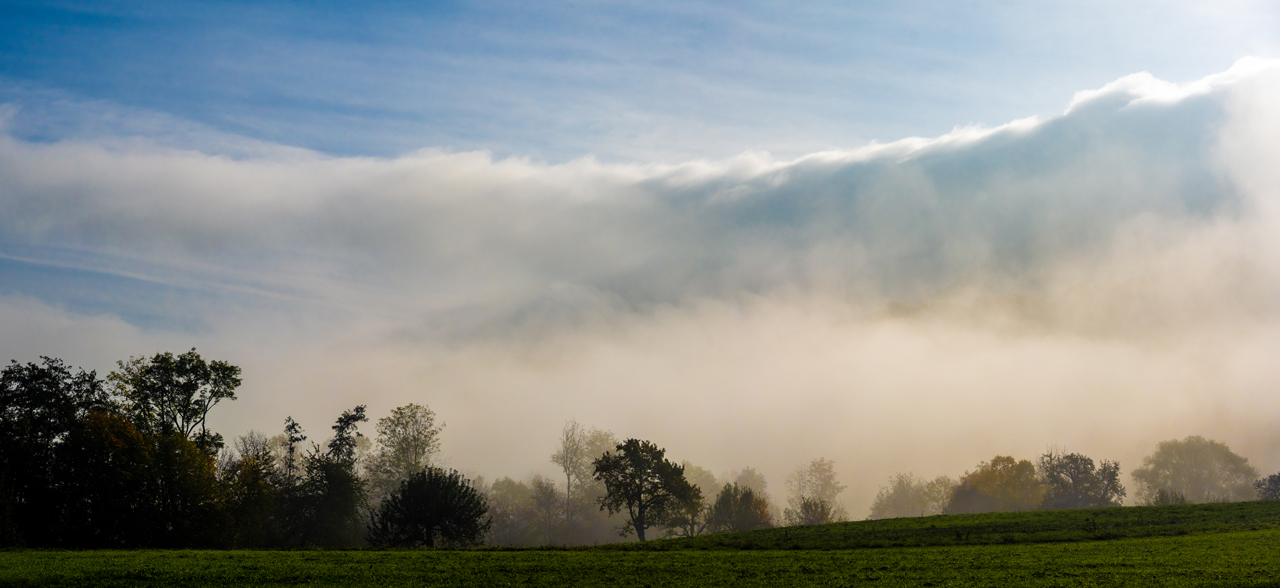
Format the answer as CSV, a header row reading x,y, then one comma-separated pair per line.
x,y
1198,469
408,441
642,481
572,457
332,494
169,393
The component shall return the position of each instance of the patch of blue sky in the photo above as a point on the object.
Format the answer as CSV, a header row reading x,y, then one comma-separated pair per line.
x,y
143,303
649,81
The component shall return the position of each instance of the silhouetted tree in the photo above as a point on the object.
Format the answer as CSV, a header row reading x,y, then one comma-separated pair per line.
x,y
1268,488
639,479
814,489
1002,485
40,405
432,508
738,508
331,493
109,489
169,393
1071,481
1198,469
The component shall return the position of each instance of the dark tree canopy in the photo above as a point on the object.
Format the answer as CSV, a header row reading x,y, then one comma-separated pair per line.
x,y
331,494
169,393
642,481
1072,481
432,508
40,406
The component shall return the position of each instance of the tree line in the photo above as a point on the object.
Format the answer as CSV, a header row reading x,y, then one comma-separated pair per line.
x,y
129,461
1188,471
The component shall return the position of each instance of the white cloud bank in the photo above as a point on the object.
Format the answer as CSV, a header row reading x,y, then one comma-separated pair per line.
x,y
1103,279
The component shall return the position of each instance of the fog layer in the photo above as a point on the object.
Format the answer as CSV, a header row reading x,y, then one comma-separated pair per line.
x,y
1101,281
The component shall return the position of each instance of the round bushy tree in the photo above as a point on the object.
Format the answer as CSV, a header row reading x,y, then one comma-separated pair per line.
x,y
432,508
1197,469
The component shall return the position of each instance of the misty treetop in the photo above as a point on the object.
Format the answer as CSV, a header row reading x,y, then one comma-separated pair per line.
x,y
1197,470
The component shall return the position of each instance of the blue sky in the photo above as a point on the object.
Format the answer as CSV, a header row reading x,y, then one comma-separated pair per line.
x,y
860,231
652,81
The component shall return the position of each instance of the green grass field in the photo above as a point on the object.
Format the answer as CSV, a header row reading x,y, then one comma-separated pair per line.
x,y
1207,545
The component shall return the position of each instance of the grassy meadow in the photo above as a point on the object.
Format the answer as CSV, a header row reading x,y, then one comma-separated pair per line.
x,y
1202,545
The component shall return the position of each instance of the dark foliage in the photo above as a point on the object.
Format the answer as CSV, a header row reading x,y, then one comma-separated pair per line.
x,y
1072,481
432,508
40,405
327,502
639,479
168,394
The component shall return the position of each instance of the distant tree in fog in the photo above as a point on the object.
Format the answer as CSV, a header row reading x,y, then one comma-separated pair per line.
x,y
547,505
909,496
750,478
1071,481
408,441
738,508
1268,488
1198,469
584,521
701,477
573,459
509,502
813,491
641,481
1002,485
